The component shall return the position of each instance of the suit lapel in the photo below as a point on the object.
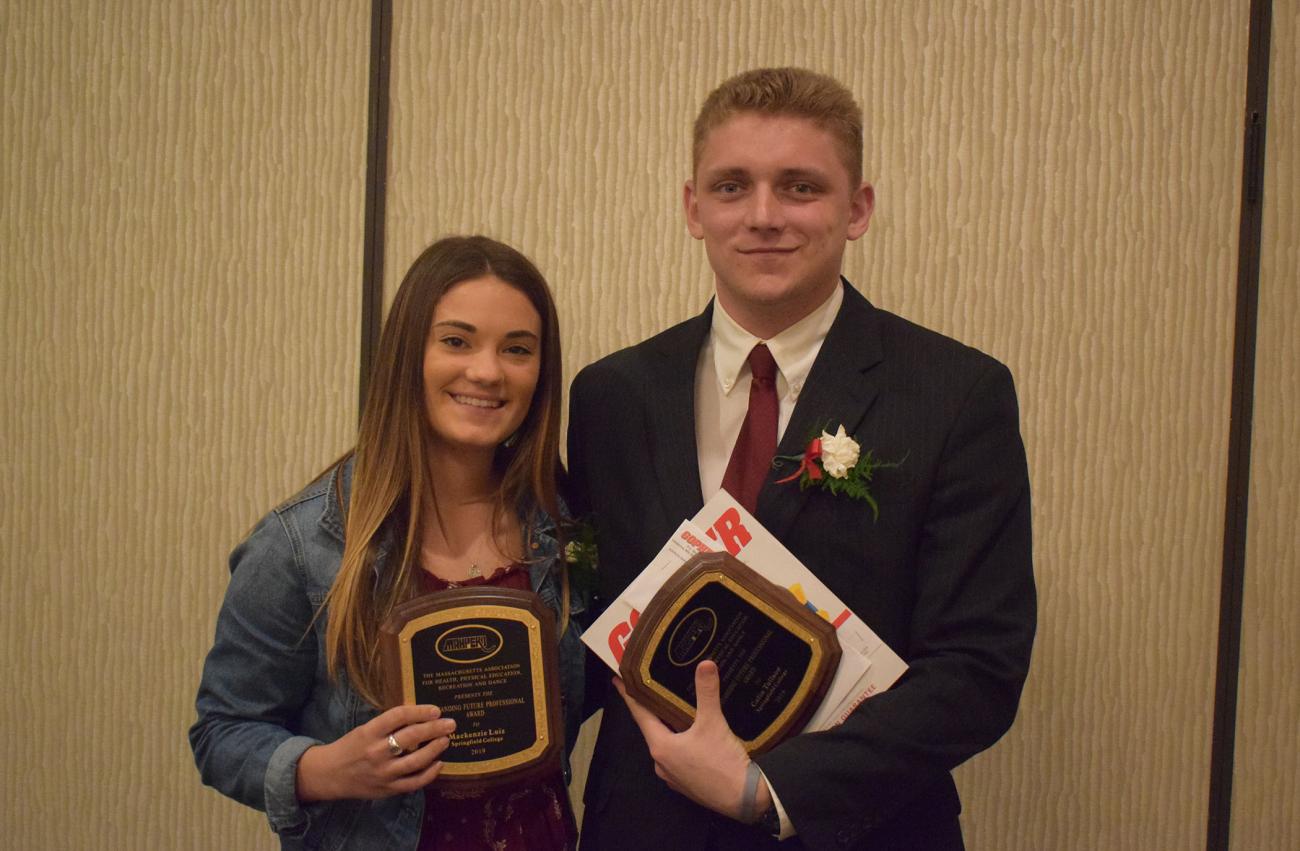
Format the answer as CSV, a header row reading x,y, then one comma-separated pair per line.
x,y
840,389
670,394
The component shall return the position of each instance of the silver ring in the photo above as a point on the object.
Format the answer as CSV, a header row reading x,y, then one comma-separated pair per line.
x,y
393,747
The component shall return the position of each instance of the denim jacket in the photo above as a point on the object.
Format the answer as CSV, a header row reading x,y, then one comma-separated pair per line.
x,y
265,696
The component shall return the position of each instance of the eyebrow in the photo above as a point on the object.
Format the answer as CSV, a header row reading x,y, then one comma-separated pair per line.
x,y
804,174
727,174
465,326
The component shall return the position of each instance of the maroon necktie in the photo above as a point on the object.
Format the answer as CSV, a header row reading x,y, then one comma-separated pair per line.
x,y
751,459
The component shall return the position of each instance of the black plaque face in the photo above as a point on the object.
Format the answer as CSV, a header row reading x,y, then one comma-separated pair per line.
x,y
774,657
760,663
485,657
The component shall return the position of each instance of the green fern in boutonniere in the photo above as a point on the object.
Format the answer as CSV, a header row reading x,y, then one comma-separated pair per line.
x,y
580,557
837,463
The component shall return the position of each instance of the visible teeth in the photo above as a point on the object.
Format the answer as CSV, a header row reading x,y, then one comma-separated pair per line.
x,y
477,403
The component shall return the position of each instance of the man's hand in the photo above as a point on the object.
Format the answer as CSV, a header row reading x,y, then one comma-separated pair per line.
x,y
706,762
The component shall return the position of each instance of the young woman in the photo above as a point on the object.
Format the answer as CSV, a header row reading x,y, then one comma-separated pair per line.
x,y
452,482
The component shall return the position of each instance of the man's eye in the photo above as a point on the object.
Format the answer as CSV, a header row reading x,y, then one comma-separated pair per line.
x,y
728,188
803,188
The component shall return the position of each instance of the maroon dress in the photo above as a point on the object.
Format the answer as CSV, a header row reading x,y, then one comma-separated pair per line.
x,y
531,816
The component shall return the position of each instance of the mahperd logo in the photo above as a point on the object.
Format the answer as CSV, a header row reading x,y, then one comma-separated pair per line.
x,y
469,644
692,636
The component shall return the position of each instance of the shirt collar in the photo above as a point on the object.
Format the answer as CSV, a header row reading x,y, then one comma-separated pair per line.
x,y
793,349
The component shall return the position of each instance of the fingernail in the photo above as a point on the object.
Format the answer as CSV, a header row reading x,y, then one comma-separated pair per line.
x,y
434,712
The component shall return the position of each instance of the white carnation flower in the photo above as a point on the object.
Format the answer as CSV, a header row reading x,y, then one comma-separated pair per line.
x,y
839,453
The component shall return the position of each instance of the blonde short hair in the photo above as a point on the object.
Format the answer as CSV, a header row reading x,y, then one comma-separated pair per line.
x,y
795,92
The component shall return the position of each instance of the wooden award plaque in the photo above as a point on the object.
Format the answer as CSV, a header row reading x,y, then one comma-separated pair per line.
x,y
487,658
775,657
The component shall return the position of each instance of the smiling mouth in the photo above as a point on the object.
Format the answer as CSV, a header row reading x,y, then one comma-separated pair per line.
x,y
475,402
767,251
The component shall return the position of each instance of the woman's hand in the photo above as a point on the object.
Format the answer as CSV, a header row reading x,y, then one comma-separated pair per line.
x,y
362,765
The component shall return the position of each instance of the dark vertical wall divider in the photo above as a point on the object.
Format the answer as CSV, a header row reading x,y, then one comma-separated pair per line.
x,y
1239,433
372,273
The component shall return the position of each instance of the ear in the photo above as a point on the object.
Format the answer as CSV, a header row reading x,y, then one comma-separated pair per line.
x,y
690,205
861,206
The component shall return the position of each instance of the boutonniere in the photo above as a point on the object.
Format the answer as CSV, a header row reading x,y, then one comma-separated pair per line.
x,y
580,556
837,463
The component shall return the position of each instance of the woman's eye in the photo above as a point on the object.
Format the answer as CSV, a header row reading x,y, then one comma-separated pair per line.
x,y
521,351
454,342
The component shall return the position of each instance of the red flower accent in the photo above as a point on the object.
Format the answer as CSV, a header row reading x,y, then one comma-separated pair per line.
x,y
810,455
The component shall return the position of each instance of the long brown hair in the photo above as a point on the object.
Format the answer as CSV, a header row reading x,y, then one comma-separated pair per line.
x,y
390,480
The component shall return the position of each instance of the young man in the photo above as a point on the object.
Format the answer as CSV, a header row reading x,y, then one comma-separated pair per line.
x,y
943,575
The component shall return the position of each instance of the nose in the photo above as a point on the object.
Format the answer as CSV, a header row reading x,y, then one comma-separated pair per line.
x,y
764,210
485,367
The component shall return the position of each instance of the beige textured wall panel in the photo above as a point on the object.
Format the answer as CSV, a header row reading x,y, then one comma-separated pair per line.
x,y
1057,184
1266,777
1109,199
181,231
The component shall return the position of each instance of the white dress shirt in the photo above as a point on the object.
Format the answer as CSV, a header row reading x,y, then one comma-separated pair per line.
x,y
722,380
